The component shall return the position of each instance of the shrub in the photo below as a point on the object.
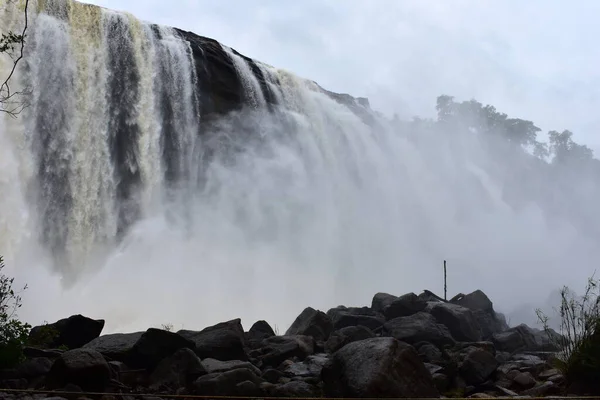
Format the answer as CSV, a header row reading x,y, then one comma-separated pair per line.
x,y
13,333
579,359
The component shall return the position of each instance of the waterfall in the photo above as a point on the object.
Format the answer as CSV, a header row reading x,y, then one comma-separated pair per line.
x,y
159,177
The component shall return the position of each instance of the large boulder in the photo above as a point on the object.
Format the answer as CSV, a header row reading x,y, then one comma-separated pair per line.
x,y
478,366
277,349
404,306
33,367
377,367
476,300
72,332
259,331
313,323
224,341
460,321
85,368
523,338
381,301
236,382
349,334
176,371
115,346
355,316
419,327
154,345
489,321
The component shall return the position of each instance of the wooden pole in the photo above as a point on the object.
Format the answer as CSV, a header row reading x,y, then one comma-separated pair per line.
x,y
445,287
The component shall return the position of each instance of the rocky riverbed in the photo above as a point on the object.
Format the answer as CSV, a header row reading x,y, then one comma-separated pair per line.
x,y
407,346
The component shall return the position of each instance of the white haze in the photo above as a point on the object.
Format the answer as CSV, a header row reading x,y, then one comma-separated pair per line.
x,y
322,210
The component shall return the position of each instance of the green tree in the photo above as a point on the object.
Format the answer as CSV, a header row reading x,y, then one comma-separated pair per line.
x,y
566,151
13,333
12,46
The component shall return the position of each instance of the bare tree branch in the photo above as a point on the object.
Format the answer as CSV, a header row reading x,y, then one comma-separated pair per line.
x,y
9,101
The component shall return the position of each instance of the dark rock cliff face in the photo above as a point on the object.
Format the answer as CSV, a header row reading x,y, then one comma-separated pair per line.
x,y
218,78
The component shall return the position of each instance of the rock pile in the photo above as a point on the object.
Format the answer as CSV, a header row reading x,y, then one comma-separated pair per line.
x,y
407,346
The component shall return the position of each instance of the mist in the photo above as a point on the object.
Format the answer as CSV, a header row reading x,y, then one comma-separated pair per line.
x,y
274,208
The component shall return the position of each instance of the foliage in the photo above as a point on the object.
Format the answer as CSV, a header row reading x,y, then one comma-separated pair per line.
x,y
13,333
167,327
43,336
580,335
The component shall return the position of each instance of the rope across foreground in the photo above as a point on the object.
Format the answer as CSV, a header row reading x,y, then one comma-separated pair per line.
x,y
189,396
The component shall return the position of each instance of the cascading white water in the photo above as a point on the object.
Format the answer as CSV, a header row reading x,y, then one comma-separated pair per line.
x,y
106,182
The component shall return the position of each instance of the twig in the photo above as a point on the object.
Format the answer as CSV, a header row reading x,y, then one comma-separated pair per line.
x,y
5,86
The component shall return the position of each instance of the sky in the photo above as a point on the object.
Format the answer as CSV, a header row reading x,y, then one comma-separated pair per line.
x,y
535,60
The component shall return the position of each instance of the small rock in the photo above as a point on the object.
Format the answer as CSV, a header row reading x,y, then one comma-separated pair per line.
x,y
540,390
272,375
213,365
525,380
429,353
295,389
310,367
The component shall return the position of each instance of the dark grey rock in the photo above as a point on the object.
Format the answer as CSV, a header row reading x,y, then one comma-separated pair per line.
x,y
296,389
225,341
226,383
355,316
83,367
478,366
116,346
313,323
180,369
72,332
381,301
213,365
404,306
417,328
377,367
460,321
154,345
277,349
349,334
